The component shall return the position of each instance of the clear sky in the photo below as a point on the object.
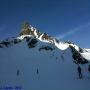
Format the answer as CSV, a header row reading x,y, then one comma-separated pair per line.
x,y
65,19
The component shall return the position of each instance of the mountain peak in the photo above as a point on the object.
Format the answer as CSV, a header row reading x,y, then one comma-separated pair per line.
x,y
29,30
26,29
31,35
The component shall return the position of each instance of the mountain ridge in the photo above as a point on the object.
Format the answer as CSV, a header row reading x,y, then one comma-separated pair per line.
x,y
30,32
35,63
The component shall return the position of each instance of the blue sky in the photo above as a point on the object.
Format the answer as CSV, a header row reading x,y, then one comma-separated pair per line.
x,y
65,19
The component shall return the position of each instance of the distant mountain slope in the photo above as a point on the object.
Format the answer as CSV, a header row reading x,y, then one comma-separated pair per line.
x,y
42,62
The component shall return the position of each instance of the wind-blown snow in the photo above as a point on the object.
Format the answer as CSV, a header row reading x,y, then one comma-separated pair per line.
x,y
62,46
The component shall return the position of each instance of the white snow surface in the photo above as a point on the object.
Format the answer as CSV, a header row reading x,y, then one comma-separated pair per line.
x,y
56,68
86,55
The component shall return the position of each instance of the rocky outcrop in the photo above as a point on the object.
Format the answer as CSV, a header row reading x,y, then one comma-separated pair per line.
x,y
78,59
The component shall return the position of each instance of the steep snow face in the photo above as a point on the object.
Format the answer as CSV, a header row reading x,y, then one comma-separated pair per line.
x,y
62,46
37,61
54,62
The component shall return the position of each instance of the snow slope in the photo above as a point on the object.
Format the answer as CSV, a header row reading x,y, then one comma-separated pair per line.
x,y
54,61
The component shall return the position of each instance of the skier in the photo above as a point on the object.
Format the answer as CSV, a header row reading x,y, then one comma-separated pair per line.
x,y
18,72
79,72
37,71
89,68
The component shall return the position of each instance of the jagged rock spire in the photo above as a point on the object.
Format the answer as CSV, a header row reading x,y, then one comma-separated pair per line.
x,y
25,25
25,29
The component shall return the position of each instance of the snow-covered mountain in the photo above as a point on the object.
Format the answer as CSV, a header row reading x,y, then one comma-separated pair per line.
x,y
37,61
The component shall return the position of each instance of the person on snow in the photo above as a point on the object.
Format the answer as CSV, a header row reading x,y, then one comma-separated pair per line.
x,y
18,72
79,72
37,71
89,68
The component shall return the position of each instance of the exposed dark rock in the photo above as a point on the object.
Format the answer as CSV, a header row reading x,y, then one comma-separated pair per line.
x,y
26,29
57,40
69,42
38,33
32,43
1,46
25,32
78,59
5,43
16,41
27,39
80,50
47,48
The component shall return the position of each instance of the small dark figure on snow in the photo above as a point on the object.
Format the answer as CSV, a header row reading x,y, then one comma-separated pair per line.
x,y
79,72
37,71
18,72
89,68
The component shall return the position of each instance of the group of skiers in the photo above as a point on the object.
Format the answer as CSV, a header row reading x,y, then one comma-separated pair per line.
x,y
80,71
